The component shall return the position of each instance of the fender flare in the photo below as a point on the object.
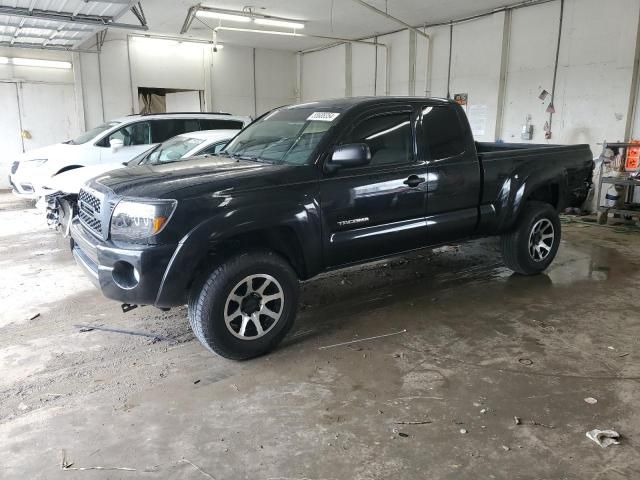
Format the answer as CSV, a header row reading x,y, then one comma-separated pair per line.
x,y
194,248
519,187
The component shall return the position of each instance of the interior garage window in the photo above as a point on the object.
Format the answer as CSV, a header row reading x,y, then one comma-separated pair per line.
x,y
388,136
442,133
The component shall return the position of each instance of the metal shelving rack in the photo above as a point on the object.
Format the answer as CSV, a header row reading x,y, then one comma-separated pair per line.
x,y
631,209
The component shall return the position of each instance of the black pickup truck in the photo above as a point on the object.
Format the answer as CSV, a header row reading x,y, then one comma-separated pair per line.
x,y
310,188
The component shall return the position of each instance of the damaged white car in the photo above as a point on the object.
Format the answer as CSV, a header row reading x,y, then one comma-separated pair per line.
x,y
60,193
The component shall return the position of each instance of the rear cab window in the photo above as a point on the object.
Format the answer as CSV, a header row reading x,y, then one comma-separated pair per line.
x,y
442,133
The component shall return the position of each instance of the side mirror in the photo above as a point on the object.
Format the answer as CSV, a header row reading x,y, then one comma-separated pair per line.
x,y
349,155
116,144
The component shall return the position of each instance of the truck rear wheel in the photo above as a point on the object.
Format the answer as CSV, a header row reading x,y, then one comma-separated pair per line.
x,y
532,246
245,306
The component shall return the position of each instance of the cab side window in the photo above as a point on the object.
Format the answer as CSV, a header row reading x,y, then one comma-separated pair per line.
x,y
442,133
389,138
137,133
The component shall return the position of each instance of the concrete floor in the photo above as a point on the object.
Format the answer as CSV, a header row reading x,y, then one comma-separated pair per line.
x,y
480,347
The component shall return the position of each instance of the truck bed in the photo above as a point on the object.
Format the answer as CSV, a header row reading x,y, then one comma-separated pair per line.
x,y
499,160
492,149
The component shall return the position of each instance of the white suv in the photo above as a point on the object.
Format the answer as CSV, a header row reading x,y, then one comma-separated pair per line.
x,y
119,140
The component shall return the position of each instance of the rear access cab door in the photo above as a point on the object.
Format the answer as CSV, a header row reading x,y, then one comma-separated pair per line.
x,y
454,181
377,209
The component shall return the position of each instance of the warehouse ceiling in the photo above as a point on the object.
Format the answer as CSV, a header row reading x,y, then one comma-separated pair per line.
x,y
332,18
59,23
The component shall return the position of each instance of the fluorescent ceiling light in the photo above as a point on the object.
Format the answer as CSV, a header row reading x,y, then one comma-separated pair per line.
x,y
222,16
278,23
175,40
34,62
254,30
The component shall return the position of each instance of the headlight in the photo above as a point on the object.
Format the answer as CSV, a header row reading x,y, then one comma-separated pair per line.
x,y
135,219
35,162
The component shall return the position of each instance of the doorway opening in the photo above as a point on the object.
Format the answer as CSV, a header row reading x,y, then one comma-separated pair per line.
x,y
167,100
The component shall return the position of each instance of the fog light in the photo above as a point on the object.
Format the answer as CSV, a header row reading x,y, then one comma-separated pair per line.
x,y
125,275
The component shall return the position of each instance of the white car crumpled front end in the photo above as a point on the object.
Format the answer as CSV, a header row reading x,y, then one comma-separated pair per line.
x,y
33,169
26,177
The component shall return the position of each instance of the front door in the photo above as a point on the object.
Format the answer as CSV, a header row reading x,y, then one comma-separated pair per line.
x,y
135,138
379,209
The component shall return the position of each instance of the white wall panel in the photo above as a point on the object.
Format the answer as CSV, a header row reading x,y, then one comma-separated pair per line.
x,y
167,64
422,51
439,61
530,69
596,64
398,48
363,70
275,79
232,80
323,74
116,83
475,66
93,114
35,74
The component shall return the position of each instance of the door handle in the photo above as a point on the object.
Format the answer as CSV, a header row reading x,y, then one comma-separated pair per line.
x,y
413,181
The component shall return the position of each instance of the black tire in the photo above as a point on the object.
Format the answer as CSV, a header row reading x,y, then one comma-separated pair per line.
x,y
209,297
515,244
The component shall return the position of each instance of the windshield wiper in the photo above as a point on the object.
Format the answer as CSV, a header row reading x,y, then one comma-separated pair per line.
x,y
237,156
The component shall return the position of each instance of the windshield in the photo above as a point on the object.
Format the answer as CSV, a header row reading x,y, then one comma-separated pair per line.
x,y
284,136
173,149
142,158
91,134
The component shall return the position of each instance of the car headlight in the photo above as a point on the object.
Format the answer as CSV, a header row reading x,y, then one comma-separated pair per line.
x,y
35,162
136,219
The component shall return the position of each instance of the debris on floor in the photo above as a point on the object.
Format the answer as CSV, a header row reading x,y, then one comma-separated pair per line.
x,y
591,400
604,438
155,337
67,464
418,422
463,431
206,474
33,317
362,340
535,423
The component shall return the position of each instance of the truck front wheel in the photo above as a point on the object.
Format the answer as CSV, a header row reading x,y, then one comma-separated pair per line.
x,y
532,246
245,306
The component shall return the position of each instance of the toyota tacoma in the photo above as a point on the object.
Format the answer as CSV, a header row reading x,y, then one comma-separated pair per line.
x,y
311,188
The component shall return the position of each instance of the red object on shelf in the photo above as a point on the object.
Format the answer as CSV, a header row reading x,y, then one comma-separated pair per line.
x,y
633,156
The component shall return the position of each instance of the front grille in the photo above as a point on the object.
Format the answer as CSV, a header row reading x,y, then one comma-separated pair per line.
x,y
89,208
14,167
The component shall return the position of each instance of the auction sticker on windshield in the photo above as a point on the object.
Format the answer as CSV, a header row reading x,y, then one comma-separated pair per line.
x,y
323,116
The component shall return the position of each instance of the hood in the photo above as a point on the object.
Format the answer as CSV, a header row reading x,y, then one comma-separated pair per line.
x,y
180,179
50,152
72,180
